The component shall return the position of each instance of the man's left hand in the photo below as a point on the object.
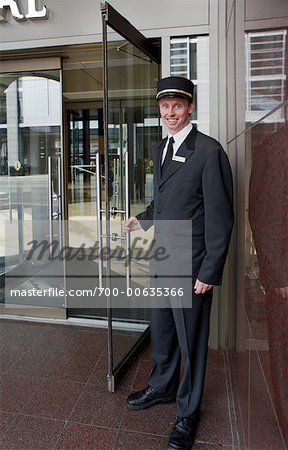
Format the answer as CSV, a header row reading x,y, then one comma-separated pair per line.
x,y
201,288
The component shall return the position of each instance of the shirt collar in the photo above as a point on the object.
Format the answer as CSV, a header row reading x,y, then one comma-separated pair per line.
x,y
181,135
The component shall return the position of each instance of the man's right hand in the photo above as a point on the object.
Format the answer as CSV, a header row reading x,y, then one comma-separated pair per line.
x,y
132,224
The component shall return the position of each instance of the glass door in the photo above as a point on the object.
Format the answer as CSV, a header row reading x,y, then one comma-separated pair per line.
x,y
84,124
131,126
32,267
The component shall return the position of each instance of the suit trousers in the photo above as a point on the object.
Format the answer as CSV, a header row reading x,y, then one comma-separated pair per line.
x,y
179,345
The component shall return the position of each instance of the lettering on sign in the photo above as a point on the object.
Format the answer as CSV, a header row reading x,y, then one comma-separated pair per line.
x,y
13,7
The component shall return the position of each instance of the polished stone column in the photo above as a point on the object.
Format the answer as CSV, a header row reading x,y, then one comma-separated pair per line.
x,y
268,215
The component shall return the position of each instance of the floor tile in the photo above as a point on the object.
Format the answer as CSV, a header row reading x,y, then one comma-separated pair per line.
x,y
20,339
215,359
86,437
88,342
263,428
211,446
215,387
6,325
55,338
146,354
257,423
215,424
263,432
6,419
98,376
140,441
32,362
11,326
29,433
54,399
54,373
73,367
129,379
100,407
9,354
16,390
142,375
215,427
158,420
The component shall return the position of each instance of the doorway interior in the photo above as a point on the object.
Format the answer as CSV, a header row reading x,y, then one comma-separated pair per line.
x,y
76,164
106,182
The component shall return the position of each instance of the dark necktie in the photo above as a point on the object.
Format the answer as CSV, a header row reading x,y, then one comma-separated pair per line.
x,y
168,157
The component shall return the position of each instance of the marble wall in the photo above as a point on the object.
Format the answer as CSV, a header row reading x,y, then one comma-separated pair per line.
x,y
259,361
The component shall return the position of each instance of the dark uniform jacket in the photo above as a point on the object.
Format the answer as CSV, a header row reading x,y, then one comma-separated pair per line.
x,y
197,191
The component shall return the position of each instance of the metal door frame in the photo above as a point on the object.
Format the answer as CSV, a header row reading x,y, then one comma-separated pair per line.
x,y
111,18
28,66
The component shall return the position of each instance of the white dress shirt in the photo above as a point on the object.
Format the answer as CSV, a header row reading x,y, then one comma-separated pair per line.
x,y
179,138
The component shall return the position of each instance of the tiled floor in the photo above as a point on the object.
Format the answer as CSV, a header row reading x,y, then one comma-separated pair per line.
x,y
53,395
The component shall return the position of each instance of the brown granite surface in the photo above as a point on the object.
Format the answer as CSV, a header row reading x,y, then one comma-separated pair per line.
x,y
66,407
268,216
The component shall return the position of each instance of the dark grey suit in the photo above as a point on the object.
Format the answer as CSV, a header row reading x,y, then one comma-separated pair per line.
x,y
199,191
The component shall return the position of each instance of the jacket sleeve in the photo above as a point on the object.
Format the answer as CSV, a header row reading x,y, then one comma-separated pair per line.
x,y
218,206
146,217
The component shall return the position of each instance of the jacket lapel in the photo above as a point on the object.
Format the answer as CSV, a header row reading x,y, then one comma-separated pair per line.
x,y
157,160
186,150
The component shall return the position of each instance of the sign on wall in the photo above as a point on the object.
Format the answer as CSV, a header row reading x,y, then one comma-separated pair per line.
x,y
14,8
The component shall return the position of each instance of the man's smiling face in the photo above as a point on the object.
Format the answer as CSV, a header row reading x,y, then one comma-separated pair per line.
x,y
175,113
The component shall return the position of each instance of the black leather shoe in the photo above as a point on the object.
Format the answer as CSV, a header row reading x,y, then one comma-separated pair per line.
x,y
183,433
147,397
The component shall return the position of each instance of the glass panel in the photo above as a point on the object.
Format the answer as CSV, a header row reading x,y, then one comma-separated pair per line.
x,y
259,362
85,140
262,314
133,126
30,133
265,69
82,146
190,59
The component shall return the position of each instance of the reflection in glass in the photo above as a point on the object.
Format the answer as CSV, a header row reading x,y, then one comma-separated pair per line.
x,y
263,311
265,74
267,285
133,126
190,59
29,135
259,364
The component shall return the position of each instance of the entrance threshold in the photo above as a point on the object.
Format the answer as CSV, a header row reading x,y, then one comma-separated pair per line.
x,y
94,323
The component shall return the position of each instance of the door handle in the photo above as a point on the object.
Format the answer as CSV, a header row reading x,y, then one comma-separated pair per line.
x,y
99,219
127,215
50,201
114,236
53,196
59,199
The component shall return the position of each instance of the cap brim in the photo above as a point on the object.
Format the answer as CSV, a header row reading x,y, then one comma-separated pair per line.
x,y
174,93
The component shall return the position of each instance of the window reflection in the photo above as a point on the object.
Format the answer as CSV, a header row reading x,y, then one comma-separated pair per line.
x,y
190,59
30,114
265,74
